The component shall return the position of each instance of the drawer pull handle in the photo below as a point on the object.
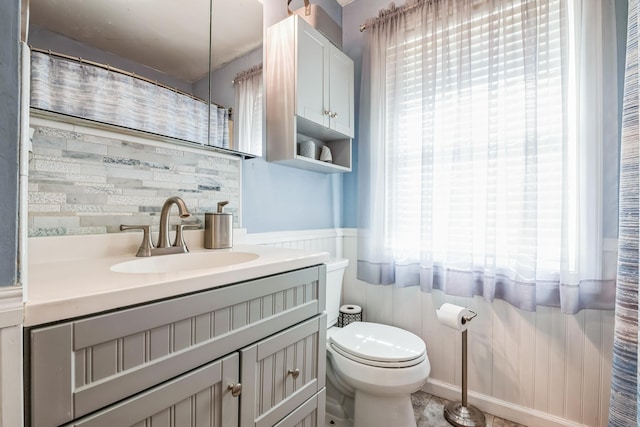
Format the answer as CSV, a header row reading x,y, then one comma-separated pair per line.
x,y
295,373
236,389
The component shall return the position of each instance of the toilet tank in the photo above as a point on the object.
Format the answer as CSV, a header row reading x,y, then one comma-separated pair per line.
x,y
335,273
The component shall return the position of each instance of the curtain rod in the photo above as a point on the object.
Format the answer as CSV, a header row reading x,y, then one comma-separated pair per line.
x,y
119,71
385,14
248,73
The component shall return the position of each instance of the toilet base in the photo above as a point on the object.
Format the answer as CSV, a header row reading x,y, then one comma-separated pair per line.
x,y
379,411
336,415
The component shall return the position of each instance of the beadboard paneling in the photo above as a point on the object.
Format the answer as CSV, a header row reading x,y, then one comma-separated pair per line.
x,y
542,368
328,240
11,356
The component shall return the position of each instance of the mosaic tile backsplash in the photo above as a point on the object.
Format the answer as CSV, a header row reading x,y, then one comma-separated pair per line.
x,y
82,183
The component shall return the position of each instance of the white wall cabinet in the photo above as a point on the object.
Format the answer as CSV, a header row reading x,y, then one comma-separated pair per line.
x,y
180,360
324,81
309,96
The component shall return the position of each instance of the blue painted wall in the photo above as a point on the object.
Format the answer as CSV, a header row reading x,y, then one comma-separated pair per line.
x,y
9,128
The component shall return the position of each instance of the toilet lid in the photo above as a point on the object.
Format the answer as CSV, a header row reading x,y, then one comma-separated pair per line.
x,y
379,345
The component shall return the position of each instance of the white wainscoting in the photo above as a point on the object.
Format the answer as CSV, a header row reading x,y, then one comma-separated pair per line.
x,y
327,240
11,356
539,369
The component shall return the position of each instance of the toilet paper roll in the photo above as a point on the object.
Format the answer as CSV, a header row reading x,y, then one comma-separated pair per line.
x,y
350,309
453,316
349,313
308,149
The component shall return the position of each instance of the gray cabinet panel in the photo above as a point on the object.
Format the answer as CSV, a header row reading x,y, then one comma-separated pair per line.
x,y
51,375
281,372
197,399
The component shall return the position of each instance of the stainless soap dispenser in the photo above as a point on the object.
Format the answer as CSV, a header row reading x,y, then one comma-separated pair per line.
x,y
218,229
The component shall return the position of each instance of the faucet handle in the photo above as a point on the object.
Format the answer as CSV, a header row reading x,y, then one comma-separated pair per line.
x,y
179,240
147,244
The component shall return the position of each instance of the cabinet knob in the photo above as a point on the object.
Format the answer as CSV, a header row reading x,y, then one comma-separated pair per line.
x,y
333,115
327,113
236,389
295,373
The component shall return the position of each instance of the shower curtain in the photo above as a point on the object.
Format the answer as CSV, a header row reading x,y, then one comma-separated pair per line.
x,y
625,401
93,93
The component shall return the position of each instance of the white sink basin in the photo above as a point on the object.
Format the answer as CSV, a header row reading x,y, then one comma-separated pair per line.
x,y
183,262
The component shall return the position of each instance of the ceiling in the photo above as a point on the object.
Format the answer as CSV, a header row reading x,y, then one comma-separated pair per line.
x,y
168,35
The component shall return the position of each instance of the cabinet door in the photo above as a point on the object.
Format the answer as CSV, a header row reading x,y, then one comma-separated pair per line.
x,y
312,68
341,92
281,373
200,398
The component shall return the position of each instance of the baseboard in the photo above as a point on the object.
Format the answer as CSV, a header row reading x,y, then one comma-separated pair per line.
x,y
519,414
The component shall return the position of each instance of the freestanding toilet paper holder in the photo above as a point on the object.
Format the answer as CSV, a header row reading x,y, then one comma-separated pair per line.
x,y
461,414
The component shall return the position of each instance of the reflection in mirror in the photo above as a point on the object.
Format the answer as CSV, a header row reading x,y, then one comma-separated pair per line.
x,y
248,108
242,22
142,65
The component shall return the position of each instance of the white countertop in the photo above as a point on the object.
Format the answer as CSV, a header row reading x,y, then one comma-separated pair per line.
x,y
72,282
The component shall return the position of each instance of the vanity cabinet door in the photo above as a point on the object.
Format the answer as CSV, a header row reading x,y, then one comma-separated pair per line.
x,y
310,414
200,398
281,373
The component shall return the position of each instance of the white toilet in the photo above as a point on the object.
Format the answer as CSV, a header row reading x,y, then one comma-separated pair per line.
x,y
372,369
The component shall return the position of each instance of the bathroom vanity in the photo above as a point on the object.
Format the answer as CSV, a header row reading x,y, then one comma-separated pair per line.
x,y
237,345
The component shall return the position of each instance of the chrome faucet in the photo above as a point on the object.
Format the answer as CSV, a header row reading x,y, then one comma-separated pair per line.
x,y
164,247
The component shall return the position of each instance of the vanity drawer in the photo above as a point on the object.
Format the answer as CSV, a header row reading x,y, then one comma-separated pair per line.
x,y
282,372
80,366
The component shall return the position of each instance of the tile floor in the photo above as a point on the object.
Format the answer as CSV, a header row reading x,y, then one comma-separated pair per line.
x,y
428,410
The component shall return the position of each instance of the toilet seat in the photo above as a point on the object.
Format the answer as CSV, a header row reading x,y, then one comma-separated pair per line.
x,y
378,345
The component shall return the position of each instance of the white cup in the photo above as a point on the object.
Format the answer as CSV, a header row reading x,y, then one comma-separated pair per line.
x,y
325,154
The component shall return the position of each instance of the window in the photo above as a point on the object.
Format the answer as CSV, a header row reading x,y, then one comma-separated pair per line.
x,y
474,180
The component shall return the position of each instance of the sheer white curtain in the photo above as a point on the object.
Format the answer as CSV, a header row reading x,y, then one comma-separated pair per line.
x,y
480,152
248,111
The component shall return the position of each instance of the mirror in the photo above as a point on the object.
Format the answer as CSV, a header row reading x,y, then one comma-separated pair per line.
x,y
155,56
232,82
